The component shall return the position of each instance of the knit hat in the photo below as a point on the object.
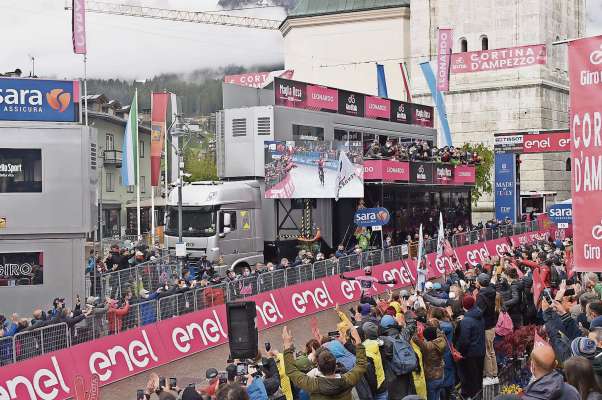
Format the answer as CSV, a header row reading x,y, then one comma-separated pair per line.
x,y
370,330
437,286
584,347
387,321
468,302
364,309
483,279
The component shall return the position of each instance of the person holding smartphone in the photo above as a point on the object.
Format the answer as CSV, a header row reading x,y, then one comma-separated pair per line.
x,y
159,388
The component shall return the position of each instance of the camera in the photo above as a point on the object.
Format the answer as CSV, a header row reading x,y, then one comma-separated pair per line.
x,y
268,346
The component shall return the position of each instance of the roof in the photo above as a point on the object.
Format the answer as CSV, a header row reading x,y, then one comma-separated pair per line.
x,y
306,8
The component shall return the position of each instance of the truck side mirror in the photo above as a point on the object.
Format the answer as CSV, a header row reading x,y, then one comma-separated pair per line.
x,y
227,221
225,231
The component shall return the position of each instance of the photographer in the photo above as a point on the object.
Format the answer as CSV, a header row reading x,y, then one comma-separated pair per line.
x,y
155,389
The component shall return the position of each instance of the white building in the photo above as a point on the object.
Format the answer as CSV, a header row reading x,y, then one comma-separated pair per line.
x,y
332,43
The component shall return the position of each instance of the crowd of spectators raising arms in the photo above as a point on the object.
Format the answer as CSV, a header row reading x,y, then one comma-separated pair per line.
x,y
420,150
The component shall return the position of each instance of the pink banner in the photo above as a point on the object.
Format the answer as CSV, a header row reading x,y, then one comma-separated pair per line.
x,y
282,190
78,26
137,350
464,174
444,49
257,79
498,247
529,237
496,59
585,57
386,170
547,142
377,108
322,98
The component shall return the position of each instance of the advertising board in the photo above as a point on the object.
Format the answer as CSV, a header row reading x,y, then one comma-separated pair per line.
x,y
313,169
289,93
496,59
20,170
371,217
21,268
38,100
561,213
505,186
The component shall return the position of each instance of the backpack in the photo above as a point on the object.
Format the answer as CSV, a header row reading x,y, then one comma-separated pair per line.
x,y
404,358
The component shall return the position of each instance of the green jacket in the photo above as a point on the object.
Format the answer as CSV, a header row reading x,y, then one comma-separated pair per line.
x,y
304,364
322,388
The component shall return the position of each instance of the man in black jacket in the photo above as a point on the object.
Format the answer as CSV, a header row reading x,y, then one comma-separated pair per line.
x,y
470,342
486,303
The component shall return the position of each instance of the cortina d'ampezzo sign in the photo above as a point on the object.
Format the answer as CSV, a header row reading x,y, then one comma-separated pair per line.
x,y
38,100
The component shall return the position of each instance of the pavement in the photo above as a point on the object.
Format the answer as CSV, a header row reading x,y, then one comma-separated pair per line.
x,y
192,369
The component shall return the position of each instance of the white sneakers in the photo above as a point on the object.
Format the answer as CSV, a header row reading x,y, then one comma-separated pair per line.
x,y
487,381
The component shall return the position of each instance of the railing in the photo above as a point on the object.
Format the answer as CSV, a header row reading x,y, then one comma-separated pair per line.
x,y
41,341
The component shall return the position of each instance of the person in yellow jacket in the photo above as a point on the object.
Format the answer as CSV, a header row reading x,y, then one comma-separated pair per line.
x,y
419,380
285,383
377,382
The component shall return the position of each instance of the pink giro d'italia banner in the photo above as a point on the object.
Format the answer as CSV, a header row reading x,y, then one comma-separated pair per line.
x,y
491,60
78,26
444,49
112,358
585,77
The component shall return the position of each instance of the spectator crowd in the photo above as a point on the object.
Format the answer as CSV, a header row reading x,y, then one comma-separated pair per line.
x,y
420,150
522,325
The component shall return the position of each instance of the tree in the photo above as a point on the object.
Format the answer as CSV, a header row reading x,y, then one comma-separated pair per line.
x,y
483,170
200,168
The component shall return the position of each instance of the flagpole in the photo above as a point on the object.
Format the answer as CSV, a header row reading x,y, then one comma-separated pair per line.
x,y
152,187
135,145
166,174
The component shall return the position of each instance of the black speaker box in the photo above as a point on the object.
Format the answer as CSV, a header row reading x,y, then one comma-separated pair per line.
x,y
242,331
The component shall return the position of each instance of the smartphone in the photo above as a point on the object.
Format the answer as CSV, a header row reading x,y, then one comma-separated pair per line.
x,y
569,292
162,382
268,346
334,334
140,394
173,382
191,385
548,297
242,369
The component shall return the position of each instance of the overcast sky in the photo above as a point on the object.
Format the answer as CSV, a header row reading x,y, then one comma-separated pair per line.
x,y
138,48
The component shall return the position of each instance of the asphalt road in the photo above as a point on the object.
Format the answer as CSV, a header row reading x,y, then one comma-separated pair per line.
x,y
192,369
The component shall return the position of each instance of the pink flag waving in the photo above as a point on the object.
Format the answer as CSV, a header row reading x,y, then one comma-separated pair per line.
x,y
78,26
537,285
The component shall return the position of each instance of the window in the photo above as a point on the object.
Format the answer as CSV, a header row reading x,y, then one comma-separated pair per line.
x,y
110,182
109,142
463,45
304,132
131,189
142,184
484,43
239,127
567,165
141,150
232,220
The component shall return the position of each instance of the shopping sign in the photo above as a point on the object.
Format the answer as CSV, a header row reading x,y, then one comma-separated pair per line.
x,y
561,213
585,77
371,217
38,100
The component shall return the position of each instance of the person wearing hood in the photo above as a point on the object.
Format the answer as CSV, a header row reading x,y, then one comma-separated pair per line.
x,y
432,344
329,385
376,380
547,384
470,343
486,303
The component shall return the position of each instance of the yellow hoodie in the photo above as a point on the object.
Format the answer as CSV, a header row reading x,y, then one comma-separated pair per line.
x,y
373,352
419,381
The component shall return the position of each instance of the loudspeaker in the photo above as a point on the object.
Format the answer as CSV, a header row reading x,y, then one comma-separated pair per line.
x,y
242,331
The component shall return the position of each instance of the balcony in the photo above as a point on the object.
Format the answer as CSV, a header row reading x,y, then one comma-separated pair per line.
x,y
112,158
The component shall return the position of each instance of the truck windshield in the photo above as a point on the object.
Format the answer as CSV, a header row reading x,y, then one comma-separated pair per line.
x,y
196,221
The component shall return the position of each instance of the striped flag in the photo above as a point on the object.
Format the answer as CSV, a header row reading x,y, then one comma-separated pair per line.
x,y
129,168
440,236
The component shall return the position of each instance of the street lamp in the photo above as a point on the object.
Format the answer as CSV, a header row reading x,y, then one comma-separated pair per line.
x,y
180,130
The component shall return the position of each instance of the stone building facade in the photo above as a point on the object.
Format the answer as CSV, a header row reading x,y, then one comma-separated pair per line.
x,y
328,42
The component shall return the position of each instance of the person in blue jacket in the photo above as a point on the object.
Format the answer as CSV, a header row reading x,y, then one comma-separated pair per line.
x,y
470,343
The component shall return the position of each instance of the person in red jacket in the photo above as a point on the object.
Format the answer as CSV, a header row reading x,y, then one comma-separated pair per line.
x,y
115,315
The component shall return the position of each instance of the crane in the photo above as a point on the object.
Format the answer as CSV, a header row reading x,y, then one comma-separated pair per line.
x,y
199,17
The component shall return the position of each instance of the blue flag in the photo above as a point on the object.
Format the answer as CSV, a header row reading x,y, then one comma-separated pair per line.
x,y
439,103
382,81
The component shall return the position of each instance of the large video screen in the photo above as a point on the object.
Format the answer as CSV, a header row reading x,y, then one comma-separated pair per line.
x,y
313,169
20,170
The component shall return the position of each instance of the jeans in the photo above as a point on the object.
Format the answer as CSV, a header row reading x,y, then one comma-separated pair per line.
x,y
433,389
381,396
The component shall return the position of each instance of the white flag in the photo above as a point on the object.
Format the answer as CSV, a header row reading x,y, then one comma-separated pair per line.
x,y
420,246
440,236
345,173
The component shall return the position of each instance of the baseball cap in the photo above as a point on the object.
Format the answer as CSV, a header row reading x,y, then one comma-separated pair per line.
x,y
387,321
436,286
483,279
428,286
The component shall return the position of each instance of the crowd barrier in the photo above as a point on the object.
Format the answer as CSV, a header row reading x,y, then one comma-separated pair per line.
x,y
115,357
